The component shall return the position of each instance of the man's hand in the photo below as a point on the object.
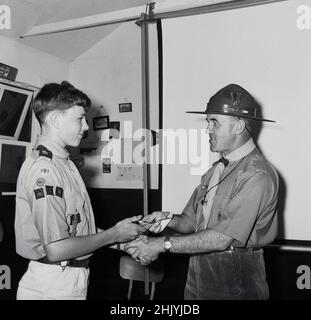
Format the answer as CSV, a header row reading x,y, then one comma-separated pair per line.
x,y
127,230
143,251
157,221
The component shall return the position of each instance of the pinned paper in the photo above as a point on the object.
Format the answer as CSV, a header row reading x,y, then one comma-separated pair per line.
x,y
129,173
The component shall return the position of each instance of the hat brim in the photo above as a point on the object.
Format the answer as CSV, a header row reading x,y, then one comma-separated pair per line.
x,y
230,114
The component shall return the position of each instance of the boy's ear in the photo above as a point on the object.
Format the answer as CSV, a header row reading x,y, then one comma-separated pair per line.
x,y
53,119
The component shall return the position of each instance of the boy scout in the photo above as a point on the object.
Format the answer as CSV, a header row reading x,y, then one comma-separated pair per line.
x,y
54,222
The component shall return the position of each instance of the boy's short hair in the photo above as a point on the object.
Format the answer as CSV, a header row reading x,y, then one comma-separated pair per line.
x,y
54,96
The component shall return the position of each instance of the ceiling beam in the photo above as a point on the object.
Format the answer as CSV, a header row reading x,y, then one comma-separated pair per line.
x,y
162,10
176,5
118,16
188,8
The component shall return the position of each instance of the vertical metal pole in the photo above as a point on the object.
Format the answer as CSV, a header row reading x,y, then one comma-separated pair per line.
x,y
145,118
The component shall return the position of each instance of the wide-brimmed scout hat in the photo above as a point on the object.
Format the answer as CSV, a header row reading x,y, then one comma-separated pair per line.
x,y
233,100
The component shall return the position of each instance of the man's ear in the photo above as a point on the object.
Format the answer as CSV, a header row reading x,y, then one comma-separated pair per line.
x,y
240,126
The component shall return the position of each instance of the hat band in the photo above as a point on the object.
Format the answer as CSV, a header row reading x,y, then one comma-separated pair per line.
x,y
227,109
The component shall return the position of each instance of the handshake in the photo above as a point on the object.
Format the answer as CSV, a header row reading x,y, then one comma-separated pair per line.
x,y
143,248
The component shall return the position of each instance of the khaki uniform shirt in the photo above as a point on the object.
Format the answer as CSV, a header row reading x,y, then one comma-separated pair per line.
x,y
245,203
52,202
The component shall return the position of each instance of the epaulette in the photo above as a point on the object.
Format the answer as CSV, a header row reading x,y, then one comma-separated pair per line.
x,y
44,152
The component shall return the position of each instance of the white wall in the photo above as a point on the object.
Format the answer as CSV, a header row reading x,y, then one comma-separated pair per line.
x,y
110,73
34,67
262,49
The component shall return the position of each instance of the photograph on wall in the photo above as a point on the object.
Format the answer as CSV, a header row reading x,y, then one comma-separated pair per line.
x,y
11,160
125,107
130,173
106,165
100,123
114,127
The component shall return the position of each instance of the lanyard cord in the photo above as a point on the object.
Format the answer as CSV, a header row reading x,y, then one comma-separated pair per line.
x,y
223,177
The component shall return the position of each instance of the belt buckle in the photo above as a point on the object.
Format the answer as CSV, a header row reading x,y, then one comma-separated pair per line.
x,y
231,249
64,264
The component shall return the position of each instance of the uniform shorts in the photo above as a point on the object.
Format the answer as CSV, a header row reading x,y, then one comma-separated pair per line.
x,y
50,282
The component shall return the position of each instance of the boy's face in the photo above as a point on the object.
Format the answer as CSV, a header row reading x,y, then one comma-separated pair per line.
x,y
72,125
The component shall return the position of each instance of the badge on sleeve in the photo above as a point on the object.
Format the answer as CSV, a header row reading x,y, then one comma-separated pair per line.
x,y
40,182
49,190
39,193
45,170
59,192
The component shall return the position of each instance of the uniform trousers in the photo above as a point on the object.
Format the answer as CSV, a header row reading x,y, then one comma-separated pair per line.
x,y
227,275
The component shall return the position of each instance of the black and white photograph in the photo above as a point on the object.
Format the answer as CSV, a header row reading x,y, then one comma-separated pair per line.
x,y
106,165
155,151
125,107
100,123
114,129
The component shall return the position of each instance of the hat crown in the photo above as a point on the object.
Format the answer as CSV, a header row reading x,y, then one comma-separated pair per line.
x,y
232,100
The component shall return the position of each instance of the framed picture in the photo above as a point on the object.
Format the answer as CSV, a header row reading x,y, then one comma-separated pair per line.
x,y
100,123
106,165
125,107
114,127
11,160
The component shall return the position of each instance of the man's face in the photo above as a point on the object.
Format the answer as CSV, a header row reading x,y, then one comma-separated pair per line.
x,y
221,132
72,126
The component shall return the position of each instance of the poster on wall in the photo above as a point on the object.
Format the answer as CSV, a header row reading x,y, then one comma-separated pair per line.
x,y
106,165
130,173
125,107
114,127
100,123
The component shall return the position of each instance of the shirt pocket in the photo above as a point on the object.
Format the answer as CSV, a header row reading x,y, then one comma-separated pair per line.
x,y
71,203
72,214
75,214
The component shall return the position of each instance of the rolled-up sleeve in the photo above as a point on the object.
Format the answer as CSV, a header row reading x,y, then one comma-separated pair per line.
x,y
191,207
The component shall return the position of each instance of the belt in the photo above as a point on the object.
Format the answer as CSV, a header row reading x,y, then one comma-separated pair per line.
x,y
74,263
238,249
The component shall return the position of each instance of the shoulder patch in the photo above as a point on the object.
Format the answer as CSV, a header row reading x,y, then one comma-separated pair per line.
x,y
44,152
39,193
59,192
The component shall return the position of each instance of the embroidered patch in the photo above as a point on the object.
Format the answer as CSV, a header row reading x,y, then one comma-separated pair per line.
x,y
45,171
49,190
59,192
39,193
44,152
40,182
